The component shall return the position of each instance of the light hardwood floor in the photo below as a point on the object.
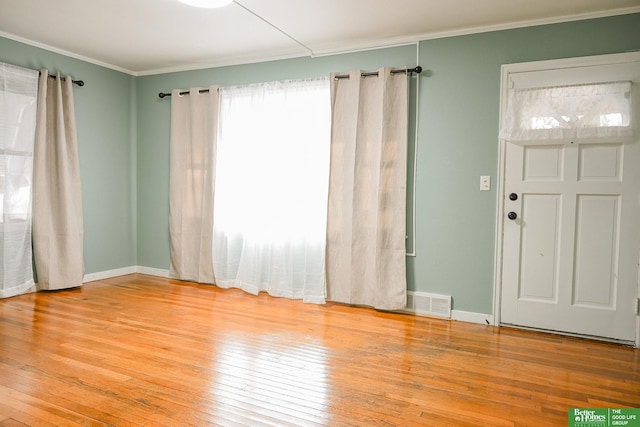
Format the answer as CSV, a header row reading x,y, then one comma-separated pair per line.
x,y
145,351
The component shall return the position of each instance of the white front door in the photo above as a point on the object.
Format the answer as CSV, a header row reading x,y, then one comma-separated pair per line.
x,y
571,231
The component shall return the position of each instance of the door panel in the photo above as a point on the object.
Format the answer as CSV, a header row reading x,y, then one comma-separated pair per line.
x,y
543,163
596,256
539,247
600,163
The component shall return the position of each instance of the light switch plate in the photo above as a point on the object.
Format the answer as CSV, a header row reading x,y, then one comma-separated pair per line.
x,y
485,183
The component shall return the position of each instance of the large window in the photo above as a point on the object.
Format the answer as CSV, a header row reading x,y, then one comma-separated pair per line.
x,y
271,183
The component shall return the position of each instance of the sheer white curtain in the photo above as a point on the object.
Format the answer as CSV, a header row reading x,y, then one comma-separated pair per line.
x,y
588,111
18,95
367,191
57,194
271,188
194,121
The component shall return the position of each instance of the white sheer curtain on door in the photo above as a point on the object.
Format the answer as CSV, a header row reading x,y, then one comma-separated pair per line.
x,y
57,194
271,188
194,123
593,111
18,97
367,190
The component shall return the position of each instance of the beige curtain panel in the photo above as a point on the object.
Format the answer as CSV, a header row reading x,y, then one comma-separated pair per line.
x,y
194,123
57,197
366,223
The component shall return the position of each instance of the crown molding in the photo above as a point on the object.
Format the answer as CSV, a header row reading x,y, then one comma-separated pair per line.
x,y
356,47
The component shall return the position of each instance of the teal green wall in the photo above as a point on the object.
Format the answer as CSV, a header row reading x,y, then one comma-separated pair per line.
x,y
124,137
104,117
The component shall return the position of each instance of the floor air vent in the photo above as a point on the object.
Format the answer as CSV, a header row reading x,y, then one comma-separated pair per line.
x,y
429,304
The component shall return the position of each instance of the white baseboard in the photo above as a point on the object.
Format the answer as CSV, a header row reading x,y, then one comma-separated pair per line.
x,y
101,275
472,317
153,271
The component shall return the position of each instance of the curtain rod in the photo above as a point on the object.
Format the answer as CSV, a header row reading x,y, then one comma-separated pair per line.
x,y
75,82
416,70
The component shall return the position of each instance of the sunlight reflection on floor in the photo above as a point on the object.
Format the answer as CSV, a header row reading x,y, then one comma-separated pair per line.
x,y
266,375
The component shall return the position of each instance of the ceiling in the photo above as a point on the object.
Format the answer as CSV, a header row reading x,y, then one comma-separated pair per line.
x,y
151,36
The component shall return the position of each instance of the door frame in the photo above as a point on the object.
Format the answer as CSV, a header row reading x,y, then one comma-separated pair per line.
x,y
505,71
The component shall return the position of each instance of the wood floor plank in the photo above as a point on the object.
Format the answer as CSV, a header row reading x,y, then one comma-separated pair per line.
x,y
142,350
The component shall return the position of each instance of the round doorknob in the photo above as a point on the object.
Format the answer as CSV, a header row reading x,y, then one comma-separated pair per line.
x,y
513,196
512,215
